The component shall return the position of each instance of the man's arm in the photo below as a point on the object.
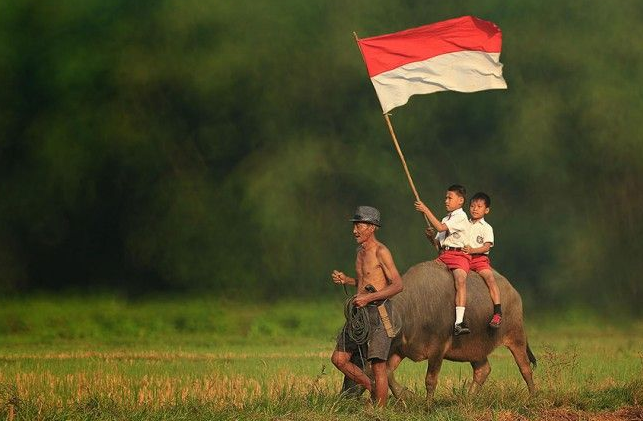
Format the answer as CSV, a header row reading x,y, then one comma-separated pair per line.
x,y
439,226
342,278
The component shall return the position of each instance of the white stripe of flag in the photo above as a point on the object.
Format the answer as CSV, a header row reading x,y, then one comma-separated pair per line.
x,y
461,54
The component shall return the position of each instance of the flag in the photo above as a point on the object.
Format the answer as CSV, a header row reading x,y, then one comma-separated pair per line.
x,y
461,54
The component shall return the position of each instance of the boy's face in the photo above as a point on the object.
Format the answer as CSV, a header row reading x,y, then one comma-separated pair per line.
x,y
453,201
478,209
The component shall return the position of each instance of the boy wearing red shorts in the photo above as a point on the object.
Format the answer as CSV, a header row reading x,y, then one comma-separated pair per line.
x,y
452,237
480,241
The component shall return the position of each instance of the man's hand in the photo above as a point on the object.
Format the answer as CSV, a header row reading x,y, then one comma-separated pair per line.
x,y
421,207
467,249
338,277
361,300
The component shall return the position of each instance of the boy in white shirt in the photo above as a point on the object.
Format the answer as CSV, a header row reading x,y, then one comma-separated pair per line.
x,y
452,238
481,238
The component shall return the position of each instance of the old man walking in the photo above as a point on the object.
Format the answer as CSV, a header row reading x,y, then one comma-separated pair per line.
x,y
377,280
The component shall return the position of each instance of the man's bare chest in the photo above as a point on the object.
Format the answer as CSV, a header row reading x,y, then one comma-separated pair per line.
x,y
368,265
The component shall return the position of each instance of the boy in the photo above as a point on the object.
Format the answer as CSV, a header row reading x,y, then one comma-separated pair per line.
x,y
481,236
452,238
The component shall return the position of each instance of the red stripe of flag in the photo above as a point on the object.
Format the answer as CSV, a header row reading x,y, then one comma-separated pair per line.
x,y
387,52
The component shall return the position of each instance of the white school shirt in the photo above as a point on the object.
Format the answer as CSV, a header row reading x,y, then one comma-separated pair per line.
x,y
458,224
480,232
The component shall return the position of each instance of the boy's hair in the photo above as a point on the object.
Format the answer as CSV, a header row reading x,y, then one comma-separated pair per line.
x,y
459,190
482,196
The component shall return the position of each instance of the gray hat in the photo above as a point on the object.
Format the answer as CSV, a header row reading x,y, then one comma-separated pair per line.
x,y
368,215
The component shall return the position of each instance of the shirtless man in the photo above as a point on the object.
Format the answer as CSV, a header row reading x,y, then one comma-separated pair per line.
x,y
374,266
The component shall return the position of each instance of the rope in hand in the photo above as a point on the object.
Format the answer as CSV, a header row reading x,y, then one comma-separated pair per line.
x,y
357,322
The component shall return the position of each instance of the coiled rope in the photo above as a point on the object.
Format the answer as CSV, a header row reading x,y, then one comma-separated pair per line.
x,y
357,322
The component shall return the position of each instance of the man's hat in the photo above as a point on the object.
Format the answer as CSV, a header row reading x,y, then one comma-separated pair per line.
x,y
368,215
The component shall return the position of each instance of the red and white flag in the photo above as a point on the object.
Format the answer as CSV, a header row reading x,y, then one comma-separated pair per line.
x,y
461,54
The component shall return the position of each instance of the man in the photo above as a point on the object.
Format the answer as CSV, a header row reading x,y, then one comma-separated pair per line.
x,y
374,267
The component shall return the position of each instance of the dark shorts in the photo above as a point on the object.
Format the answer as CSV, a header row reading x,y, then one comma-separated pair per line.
x,y
455,259
480,262
378,345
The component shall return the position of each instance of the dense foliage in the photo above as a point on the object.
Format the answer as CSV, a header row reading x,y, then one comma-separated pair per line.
x,y
221,146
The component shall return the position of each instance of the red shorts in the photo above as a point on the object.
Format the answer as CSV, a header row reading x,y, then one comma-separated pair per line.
x,y
480,262
455,259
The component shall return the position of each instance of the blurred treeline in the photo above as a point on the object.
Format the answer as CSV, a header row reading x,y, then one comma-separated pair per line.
x,y
220,147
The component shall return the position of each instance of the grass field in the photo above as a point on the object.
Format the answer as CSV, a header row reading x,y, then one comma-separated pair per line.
x,y
198,359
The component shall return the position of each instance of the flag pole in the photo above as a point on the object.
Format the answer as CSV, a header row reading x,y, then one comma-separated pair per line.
x,y
397,146
399,152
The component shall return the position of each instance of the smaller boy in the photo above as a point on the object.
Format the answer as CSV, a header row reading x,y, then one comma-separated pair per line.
x,y
481,236
452,237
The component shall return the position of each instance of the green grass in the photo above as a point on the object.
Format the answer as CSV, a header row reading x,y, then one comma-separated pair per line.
x,y
106,358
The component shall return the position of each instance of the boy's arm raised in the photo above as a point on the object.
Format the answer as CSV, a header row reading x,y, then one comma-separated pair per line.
x,y
439,226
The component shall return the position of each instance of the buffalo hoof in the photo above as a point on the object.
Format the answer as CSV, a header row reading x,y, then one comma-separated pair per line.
x,y
429,402
406,394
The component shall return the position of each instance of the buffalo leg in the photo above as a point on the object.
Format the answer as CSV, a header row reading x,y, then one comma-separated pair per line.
x,y
481,370
431,380
519,351
399,391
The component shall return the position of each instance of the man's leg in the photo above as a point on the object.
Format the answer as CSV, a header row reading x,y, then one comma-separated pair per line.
x,y
381,382
460,277
349,387
490,280
342,360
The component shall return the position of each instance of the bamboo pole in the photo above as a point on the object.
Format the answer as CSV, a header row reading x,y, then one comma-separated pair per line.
x,y
401,155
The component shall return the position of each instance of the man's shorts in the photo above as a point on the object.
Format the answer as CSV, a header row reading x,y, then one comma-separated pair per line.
x,y
480,262
455,259
378,345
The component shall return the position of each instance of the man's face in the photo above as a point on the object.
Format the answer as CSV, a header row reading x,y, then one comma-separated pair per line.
x,y
478,209
362,231
452,201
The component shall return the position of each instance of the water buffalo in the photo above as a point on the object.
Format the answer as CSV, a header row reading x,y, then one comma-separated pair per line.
x,y
426,309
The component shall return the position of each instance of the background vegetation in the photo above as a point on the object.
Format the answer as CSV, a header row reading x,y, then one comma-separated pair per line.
x,y
221,146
